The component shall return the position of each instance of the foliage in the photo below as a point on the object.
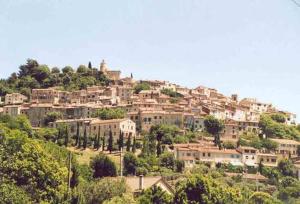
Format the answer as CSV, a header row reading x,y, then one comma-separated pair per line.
x,y
286,167
204,189
130,163
140,87
103,166
214,127
10,194
34,75
263,198
272,128
167,160
125,198
104,190
171,93
52,117
27,163
155,195
110,113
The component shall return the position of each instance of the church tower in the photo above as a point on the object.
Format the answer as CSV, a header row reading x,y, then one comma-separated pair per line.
x,y
103,67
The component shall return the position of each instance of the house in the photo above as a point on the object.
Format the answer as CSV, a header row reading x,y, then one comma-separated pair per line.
x,y
212,155
12,110
286,147
14,99
249,155
137,184
267,159
95,126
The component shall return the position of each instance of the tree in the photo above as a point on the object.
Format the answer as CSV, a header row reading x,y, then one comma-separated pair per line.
x,y
155,195
134,145
204,189
128,144
167,160
103,190
121,140
85,138
110,142
67,136
141,86
77,135
90,65
103,143
95,142
158,149
11,193
286,167
52,117
130,163
263,198
214,127
103,166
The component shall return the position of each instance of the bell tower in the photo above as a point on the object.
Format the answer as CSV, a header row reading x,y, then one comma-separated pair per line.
x,y
103,67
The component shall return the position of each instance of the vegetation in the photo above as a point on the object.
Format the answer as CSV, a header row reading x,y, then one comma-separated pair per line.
x,y
171,93
110,113
140,87
34,75
272,126
214,127
103,166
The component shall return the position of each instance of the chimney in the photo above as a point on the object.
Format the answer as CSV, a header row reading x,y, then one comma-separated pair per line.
x,y
141,182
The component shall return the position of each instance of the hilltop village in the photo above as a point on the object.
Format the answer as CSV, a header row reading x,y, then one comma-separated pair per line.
x,y
192,126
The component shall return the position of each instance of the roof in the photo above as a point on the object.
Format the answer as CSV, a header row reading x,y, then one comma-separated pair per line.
x,y
249,176
286,141
148,181
98,121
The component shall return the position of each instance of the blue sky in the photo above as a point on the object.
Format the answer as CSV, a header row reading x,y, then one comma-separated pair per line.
x,y
236,46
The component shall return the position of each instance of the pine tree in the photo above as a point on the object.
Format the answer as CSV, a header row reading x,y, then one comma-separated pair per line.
x,y
128,144
84,138
131,76
90,65
77,135
67,136
79,142
121,140
110,142
134,145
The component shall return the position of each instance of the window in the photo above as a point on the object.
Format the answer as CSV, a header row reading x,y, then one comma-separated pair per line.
x,y
247,157
208,154
203,154
188,154
273,160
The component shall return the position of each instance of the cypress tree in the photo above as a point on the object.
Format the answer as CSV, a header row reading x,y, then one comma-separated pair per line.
x,y
90,65
67,136
128,144
158,149
134,145
77,135
121,140
103,143
95,141
79,142
110,142
84,138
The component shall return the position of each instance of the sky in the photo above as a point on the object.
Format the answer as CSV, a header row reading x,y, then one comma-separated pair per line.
x,y
248,47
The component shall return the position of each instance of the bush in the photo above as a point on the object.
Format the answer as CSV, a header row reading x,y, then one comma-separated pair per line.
x,y
103,166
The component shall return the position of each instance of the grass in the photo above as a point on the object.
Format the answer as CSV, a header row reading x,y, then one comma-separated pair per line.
x,y
85,156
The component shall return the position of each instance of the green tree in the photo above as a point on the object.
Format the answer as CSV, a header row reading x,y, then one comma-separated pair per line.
x,y
10,194
130,163
286,167
263,198
167,160
158,149
85,138
121,140
52,117
155,195
67,136
110,142
214,127
103,143
128,144
141,86
204,189
134,145
103,190
103,166
77,134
